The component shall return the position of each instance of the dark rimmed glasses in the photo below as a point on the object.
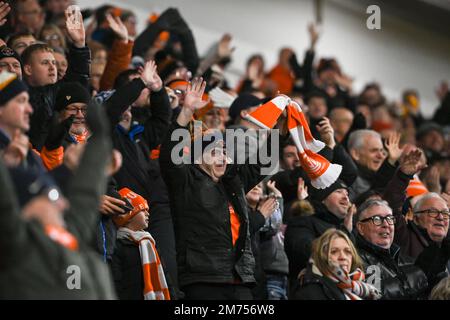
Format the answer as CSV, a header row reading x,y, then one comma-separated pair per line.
x,y
378,220
434,213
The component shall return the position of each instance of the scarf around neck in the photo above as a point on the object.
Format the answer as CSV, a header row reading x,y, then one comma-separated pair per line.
x,y
155,285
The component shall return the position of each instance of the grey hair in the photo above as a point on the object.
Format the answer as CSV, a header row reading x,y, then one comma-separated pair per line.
x,y
424,198
366,205
356,138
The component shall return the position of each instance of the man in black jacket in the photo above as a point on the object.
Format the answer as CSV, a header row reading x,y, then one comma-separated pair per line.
x,y
209,209
395,275
40,73
333,210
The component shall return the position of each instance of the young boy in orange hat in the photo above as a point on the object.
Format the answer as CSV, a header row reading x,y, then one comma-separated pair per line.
x,y
137,270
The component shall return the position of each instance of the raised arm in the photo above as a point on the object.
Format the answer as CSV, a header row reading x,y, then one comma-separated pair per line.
x,y
172,144
157,125
79,57
119,57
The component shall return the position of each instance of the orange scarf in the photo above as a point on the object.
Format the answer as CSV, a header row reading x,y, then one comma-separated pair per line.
x,y
321,172
155,285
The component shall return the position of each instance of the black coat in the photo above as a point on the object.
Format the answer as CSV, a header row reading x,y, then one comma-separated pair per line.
x,y
300,233
371,180
127,271
138,172
394,275
312,286
199,206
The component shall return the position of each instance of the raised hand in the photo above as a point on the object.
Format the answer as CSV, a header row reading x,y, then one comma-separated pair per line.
x,y
348,220
17,149
224,49
194,92
271,186
302,190
326,132
268,206
433,180
118,27
110,205
4,10
393,147
410,163
75,27
313,34
151,77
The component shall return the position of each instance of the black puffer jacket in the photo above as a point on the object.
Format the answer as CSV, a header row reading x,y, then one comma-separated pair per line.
x,y
394,275
205,252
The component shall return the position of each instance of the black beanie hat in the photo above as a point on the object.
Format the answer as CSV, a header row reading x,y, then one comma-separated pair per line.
x,y
242,102
321,194
71,92
10,86
6,52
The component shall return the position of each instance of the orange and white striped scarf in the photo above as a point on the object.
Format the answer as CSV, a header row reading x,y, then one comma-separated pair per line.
x,y
353,285
155,285
321,172
415,187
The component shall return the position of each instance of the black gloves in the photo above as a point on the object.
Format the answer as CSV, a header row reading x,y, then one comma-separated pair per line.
x,y
57,131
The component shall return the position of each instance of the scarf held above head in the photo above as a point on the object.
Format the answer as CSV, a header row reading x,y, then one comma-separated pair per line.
x,y
155,285
321,172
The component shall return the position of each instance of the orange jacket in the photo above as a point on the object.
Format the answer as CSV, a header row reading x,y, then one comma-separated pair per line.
x,y
283,78
119,59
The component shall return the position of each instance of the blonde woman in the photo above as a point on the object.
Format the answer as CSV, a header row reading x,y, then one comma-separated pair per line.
x,y
53,36
334,271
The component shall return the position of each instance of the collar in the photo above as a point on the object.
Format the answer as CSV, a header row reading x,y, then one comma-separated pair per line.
x,y
365,172
79,138
4,139
392,252
421,233
327,216
134,130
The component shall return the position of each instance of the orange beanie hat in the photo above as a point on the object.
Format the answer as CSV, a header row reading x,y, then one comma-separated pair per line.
x,y
138,202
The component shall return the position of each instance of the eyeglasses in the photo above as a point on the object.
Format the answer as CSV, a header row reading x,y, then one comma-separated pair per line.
x,y
179,92
434,213
51,37
379,220
75,110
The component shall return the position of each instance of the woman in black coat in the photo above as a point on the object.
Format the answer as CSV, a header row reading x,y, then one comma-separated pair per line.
x,y
333,272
